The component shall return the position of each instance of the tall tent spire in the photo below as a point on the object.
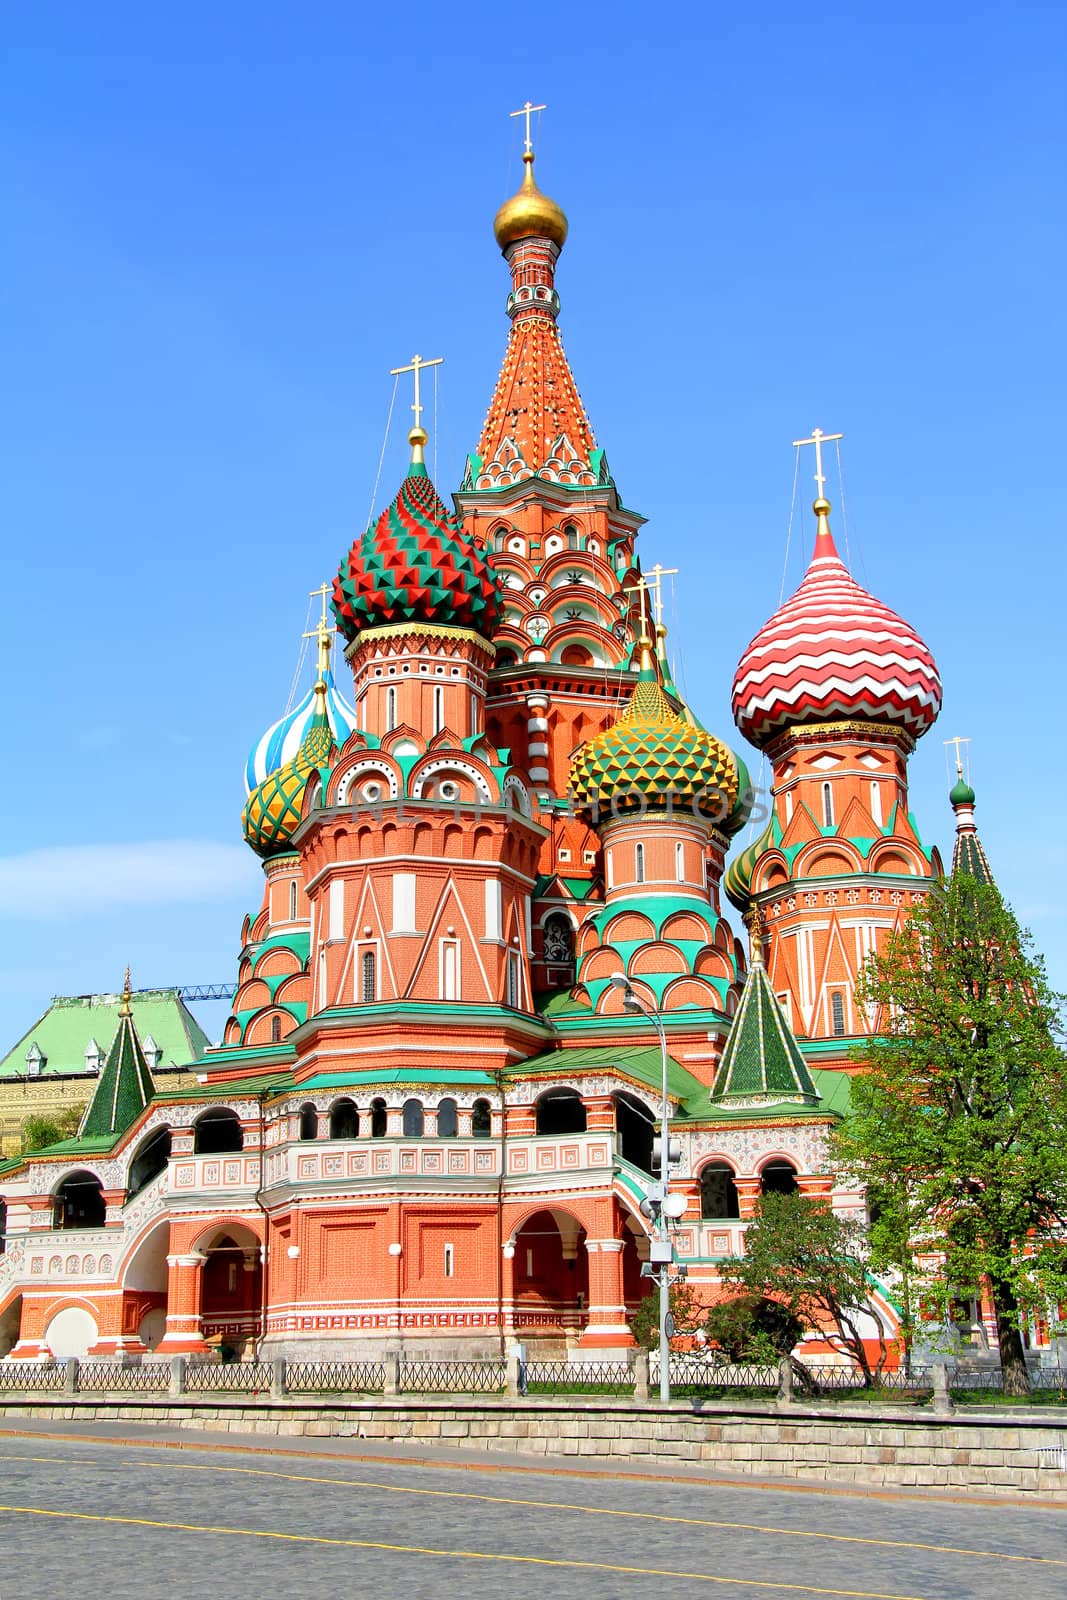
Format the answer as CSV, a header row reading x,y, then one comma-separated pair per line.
x,y
968,856
125,1085
761,1063
536,426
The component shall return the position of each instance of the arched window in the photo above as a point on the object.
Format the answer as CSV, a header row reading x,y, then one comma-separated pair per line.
x,y
876,804
718,1192
149,1161
447,1120
505,658
481,1120
837,1014
559,940
438,708
344,1120
413,1119
828,804
572,536
390,709
561,1111
217,1132
778,1177
79,1202
368,977
679,861
309,1123
275,1029
292,900
379,1120
633,1128
639,863
450,1260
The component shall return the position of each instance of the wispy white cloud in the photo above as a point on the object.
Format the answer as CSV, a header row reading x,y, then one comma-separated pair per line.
x,y
78,880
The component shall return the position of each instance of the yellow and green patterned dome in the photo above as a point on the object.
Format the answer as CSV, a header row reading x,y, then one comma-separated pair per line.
x,y
272,810
654,759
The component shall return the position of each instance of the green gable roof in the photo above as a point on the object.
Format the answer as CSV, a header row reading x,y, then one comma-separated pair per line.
x,y
762,1063
73,1021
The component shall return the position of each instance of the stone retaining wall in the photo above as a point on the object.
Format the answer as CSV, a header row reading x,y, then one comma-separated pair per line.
x,y
977,1452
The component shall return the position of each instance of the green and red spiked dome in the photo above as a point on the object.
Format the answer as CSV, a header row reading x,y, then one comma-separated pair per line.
x,y
416,564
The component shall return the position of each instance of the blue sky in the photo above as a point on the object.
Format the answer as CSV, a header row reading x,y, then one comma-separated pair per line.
x,y
225,224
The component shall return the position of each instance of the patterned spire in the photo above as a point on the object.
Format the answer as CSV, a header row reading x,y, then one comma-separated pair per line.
x,y
125,1085
968,856
536,426
833,651
761,1063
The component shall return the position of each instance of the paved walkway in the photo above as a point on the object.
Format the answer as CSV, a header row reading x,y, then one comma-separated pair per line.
x,y
83,1512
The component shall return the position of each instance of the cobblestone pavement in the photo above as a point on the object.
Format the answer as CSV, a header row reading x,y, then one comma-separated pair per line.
x,y
109,1521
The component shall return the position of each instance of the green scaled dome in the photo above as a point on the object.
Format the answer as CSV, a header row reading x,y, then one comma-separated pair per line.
x,y
416,564
961,794
653,759
272,811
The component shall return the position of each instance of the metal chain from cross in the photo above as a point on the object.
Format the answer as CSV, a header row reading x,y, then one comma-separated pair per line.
x,y
527,111
818,439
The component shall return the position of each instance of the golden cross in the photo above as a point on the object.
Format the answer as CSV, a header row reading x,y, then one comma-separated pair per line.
x,y
656,585
958,741
322,633
527,111
818,439
640,588
416,365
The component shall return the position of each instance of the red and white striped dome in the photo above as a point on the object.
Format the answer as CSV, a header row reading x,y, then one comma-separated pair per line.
x,y
833,652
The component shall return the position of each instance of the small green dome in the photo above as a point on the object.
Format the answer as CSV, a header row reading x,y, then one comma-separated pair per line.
x,y
737,879
961,794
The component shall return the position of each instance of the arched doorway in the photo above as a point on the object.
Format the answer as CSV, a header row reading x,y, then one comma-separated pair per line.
x,y
231,1289
550,1275
10,1325
634,1128
144,1289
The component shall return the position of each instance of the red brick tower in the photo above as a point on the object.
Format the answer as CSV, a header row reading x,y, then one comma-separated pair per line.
x,y
539,498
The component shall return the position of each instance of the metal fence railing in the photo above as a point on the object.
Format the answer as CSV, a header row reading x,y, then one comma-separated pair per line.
x,y
18,1377
234,1377
149,1377
453,1377
579,1377
335,1377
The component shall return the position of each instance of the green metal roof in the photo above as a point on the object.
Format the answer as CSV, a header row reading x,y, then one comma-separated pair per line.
x,y
124,1087
762,1060
643,1062
72,1022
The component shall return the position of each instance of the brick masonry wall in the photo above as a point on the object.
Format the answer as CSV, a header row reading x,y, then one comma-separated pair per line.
x,y
978,1453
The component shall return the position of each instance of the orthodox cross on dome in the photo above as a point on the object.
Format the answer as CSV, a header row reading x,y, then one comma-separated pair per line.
x,y
322,633
125,1007
655,583
417,436
818,439
958,742
527,111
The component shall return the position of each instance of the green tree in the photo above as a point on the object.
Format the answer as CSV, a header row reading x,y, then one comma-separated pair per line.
x,y
959,1124
686,1307
43,1128
812,1262
751,1328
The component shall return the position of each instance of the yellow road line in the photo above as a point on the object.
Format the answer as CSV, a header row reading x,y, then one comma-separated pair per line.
x,y
457,1555
562,1505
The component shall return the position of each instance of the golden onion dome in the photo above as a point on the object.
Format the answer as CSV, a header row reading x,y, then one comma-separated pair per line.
x,y
529,214
653,759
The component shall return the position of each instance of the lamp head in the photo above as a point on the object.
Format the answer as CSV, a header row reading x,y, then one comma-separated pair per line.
x,y
619,980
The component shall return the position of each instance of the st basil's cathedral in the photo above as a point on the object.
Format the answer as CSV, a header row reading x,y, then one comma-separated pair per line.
x,y
430,1122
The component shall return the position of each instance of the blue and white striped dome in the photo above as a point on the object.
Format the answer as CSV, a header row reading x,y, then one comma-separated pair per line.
x,y
281,742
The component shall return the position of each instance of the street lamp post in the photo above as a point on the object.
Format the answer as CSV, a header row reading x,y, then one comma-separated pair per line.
x,y
661,1204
